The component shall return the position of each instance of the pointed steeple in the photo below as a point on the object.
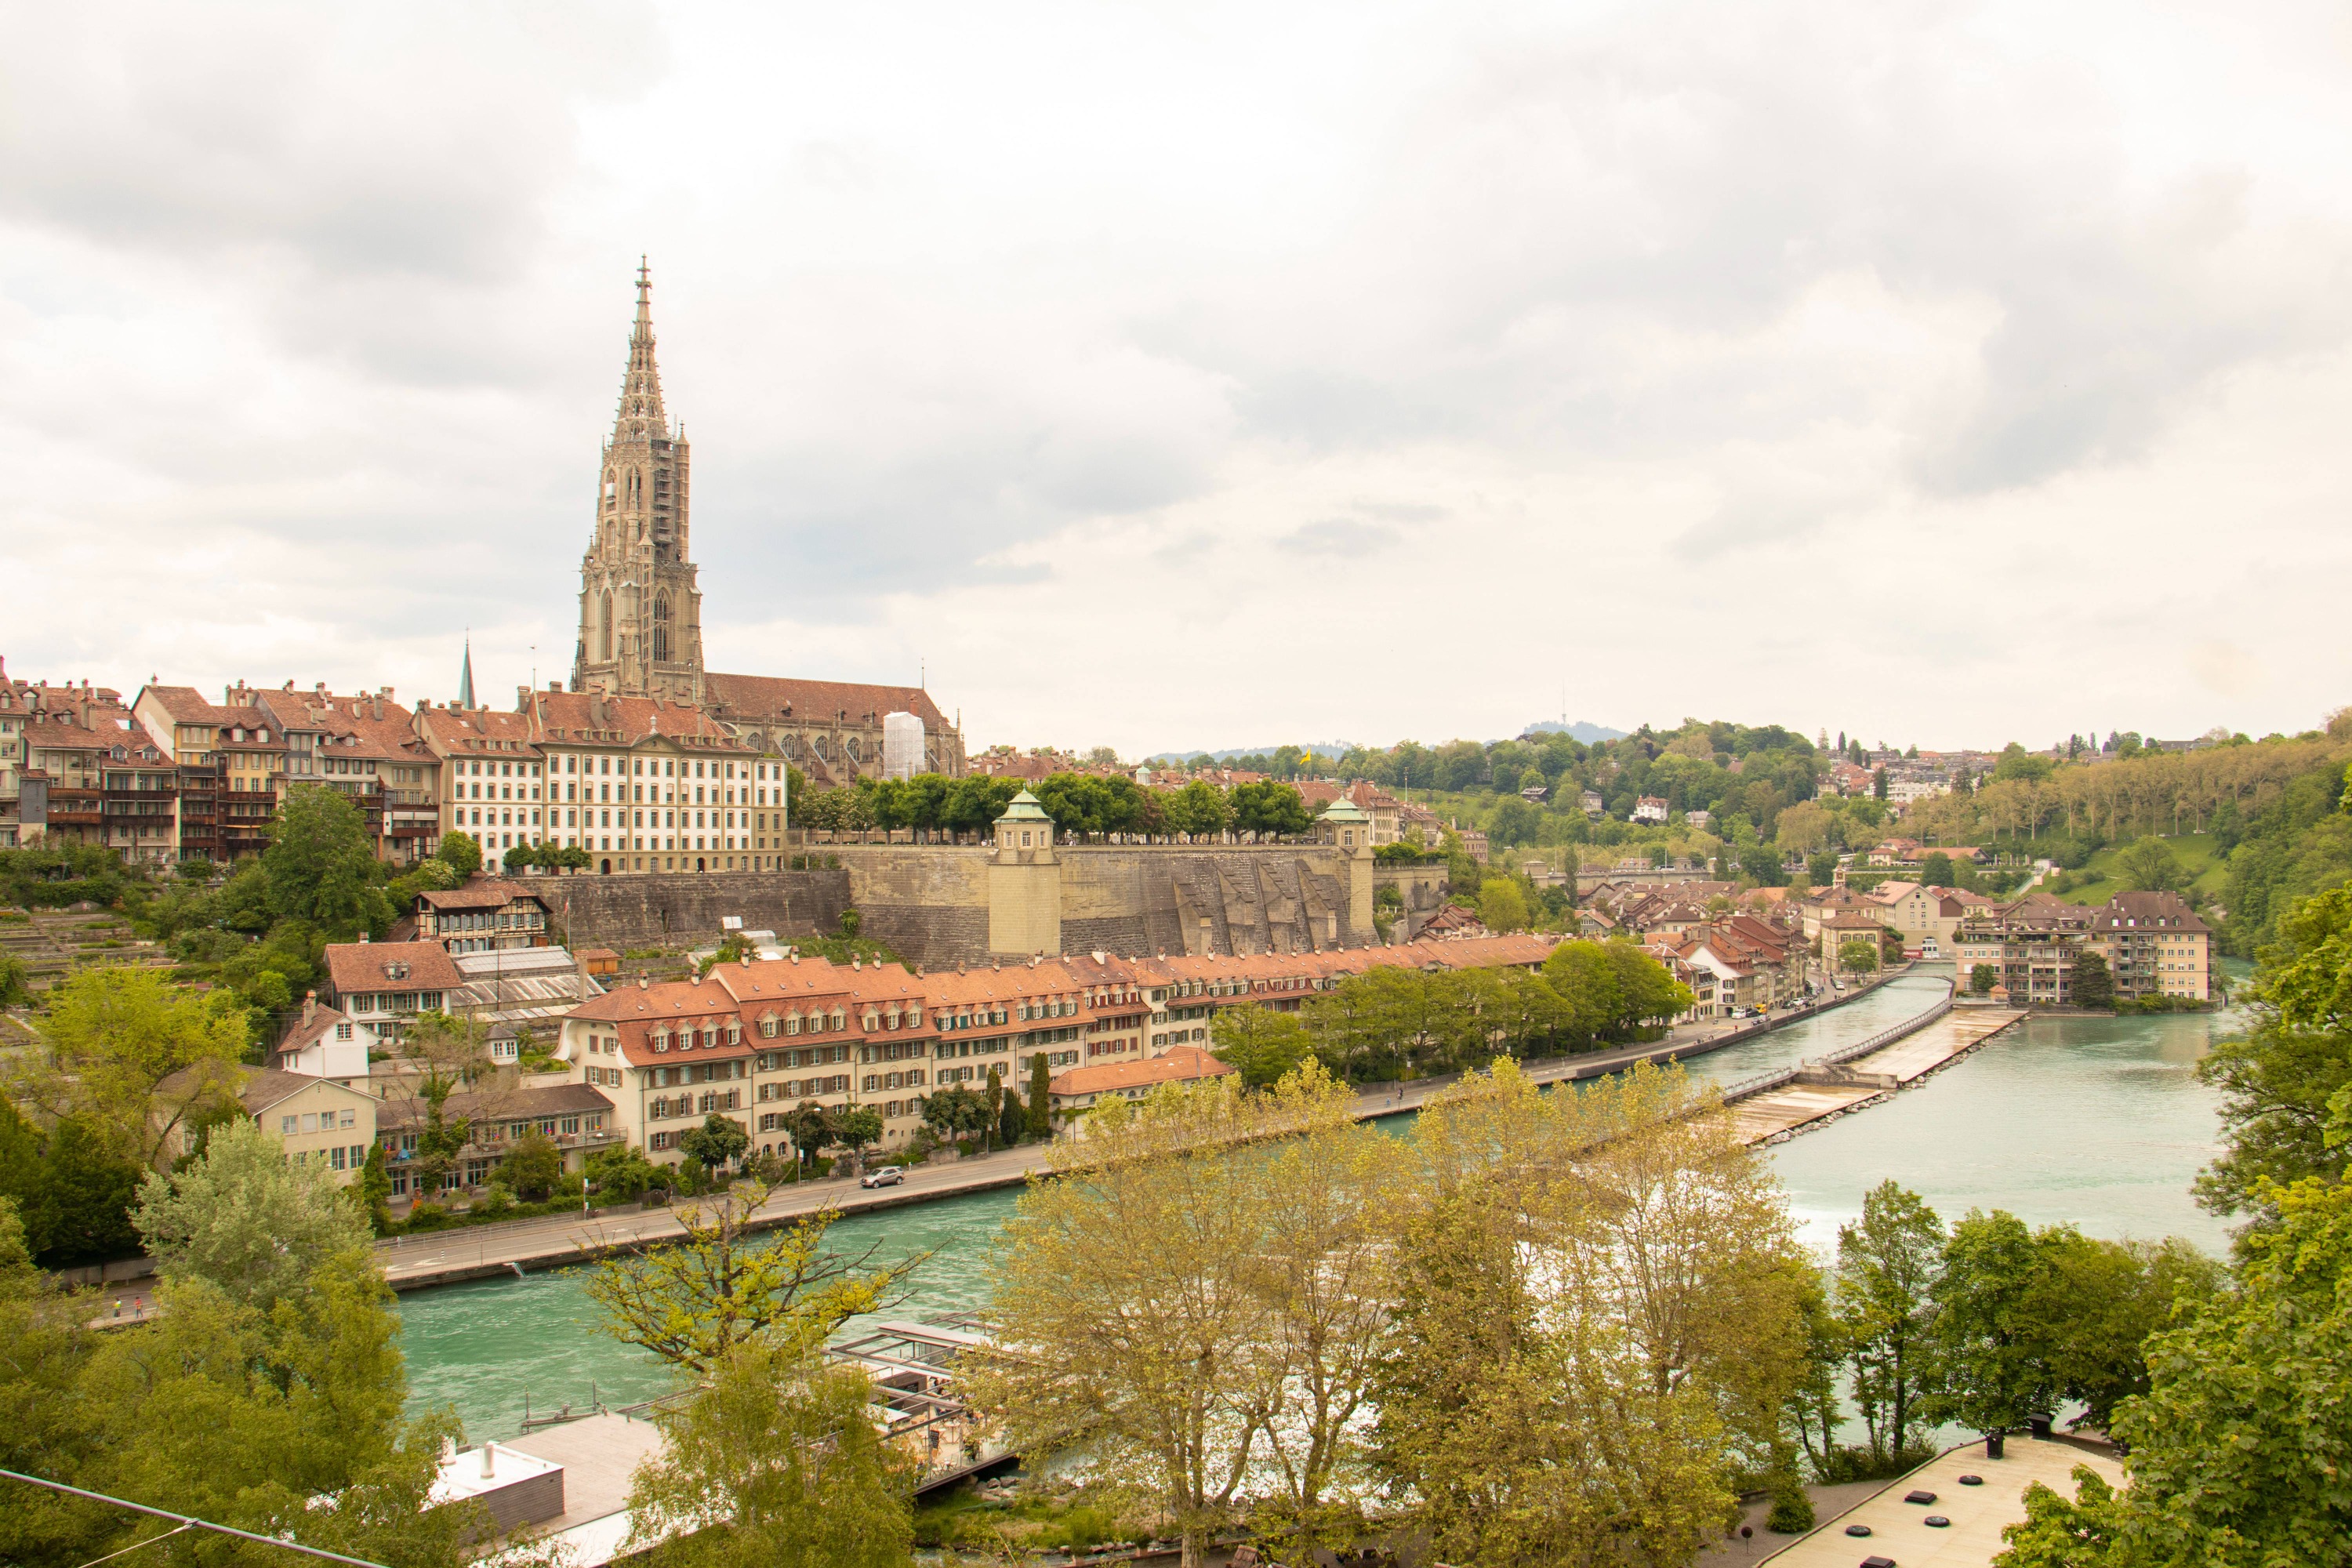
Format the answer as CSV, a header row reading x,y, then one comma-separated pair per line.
x,y
641,400
466,678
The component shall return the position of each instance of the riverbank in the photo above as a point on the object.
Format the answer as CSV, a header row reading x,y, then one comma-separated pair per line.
x,y
481,1252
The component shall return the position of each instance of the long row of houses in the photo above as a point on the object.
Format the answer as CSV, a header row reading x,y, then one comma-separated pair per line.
x,y
644,1062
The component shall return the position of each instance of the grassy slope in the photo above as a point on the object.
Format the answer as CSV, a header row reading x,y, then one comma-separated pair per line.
x,y
2197,854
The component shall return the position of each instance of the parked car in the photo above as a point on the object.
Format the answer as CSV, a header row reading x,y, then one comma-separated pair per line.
x,y
888,1177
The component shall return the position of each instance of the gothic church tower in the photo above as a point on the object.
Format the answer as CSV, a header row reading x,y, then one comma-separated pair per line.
x,y
640,606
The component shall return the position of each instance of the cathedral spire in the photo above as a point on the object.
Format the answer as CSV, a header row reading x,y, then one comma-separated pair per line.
x,y
641,400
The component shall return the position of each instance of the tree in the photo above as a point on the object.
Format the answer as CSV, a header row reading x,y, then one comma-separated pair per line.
x,y
1888,1266
43,1423
693,1301
319,866
1013,1119
461,854
15,980
534,1165
2149,864
2280,1079
1992,1367
248,1219
1982,978
811,1127
773,1462
994,1094
1501,904
2094,983
1265,1045
1858,956
955,1110
1878,783
375,1191
1598,1298
1041,1098
857,1126
135,1057
1267,807
622,1173
1128,1281
1936,871
2239,1446
715,1145
1200,809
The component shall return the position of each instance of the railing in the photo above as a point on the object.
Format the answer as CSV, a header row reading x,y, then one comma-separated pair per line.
x,y
1779,1078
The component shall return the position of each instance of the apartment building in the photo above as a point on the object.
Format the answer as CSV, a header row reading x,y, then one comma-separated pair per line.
x,y
91,776
380,987
756,1040
2155,945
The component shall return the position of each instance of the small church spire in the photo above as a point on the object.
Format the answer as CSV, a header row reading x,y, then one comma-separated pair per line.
x,y
466,676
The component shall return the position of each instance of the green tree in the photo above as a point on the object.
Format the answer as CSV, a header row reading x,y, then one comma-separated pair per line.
x,y
374,1189
80,1210
2240,1447
1041,1098
2094,983
1011,1119
1268,807
1264,1044
1936,871
1501,905
2279,1079
1982,979
247,1219
810,1127
2149,864
1858,956
1888,1266
134,1056
460,853
1200,808
695,1300
533,1166
622,1173
715,1145
15,980
284,1423
955,1110
1992,1358
319,866
773,1462
857,1127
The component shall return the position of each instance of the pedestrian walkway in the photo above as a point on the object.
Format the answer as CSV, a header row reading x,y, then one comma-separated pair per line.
x,y
1824,1091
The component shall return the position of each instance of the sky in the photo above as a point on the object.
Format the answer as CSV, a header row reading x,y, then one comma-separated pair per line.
x,y
1192,376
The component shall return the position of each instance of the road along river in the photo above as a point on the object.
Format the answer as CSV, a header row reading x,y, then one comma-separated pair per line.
x,y
2099,1121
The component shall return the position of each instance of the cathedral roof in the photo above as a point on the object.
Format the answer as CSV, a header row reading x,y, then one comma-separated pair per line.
x,y
745,699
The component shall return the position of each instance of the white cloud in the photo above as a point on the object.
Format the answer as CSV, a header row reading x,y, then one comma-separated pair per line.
x,y
1173,377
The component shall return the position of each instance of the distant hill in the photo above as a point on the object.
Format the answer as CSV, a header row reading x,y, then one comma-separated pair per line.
x,y
1580,732
1227,754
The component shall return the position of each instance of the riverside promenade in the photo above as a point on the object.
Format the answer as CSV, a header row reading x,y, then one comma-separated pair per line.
x,y
480,1252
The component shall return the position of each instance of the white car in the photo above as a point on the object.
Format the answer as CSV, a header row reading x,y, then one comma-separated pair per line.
x,y
888,1177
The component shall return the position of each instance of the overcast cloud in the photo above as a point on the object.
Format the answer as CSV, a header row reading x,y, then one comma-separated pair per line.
x,y
1185,375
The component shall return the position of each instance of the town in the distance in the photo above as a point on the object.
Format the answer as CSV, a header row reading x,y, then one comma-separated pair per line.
x,y
656,936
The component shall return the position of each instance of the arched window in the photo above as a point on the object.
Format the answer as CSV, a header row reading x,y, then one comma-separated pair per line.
x,y
661,628
604,627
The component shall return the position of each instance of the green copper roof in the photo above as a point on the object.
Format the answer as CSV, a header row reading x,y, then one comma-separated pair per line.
x,y
1343,810
1025,808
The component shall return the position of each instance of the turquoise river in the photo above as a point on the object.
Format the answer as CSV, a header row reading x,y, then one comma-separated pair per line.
x,y
2099,1123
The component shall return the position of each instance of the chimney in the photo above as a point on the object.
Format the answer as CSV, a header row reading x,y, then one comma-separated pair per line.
x,y
310,1004
488,1458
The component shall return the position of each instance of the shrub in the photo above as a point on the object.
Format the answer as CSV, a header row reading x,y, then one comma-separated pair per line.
x,y
1792,1511
426,1214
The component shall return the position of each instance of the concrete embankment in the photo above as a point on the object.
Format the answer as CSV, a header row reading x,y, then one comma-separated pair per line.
x,y
481,1252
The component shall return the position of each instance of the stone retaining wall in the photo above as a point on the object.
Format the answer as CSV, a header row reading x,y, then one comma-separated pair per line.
x,y
685,909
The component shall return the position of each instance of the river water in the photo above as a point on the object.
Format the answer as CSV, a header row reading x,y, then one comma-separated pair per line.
x,y
2096,1122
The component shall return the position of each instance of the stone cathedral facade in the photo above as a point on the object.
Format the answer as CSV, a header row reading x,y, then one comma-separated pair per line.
x,y
640,605
641,608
